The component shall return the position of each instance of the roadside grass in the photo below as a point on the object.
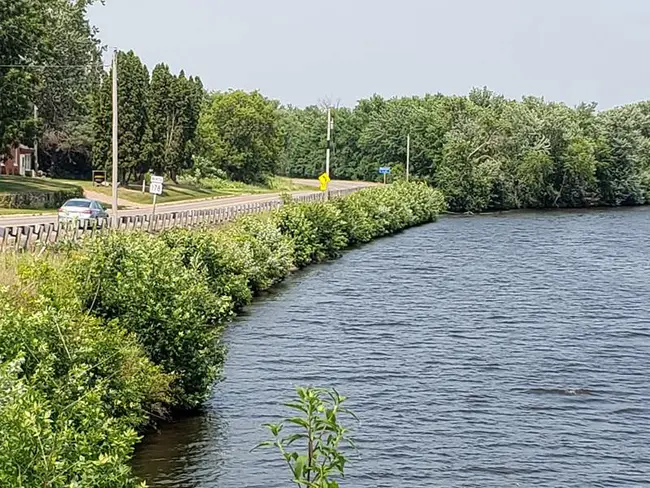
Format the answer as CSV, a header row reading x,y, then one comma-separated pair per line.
x,y
23,184
185,190
192,190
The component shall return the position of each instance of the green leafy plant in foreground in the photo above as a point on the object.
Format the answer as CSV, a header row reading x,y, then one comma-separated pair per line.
x,y
318,428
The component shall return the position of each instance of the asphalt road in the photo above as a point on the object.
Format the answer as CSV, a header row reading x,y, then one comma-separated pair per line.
x,y
17,220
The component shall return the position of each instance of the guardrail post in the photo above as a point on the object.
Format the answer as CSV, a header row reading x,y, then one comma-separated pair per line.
x,y
3,238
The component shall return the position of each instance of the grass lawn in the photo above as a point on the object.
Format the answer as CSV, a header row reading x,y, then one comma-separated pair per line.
x,y
172,192
21,184
182,192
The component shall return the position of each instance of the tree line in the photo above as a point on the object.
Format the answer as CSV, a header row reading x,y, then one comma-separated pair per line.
x,y
158,117
483,151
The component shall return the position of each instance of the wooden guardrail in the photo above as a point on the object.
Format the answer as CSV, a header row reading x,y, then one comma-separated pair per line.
x,y
36,237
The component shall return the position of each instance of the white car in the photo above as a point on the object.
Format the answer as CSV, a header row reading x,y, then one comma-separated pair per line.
x,y
83,211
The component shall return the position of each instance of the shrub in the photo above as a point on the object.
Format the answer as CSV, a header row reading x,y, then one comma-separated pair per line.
x,y
224,262
329,230
39,199
355,218
142,283
74,391
293,221
271,252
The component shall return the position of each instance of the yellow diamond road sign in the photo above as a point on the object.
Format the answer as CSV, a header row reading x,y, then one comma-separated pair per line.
x,y
324,180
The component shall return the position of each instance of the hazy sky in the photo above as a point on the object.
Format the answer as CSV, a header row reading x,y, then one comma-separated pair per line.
x,y
301,51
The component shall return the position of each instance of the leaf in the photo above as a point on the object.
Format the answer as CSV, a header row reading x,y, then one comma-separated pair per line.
x,y
299,467
299,422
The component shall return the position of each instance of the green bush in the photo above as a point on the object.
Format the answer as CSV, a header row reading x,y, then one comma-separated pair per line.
x,y
141,282
293,221
74,391
39,199
270,252
224,262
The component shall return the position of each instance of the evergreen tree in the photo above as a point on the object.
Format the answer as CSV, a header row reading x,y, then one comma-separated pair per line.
x,y
102,123
162,141
174,108
133,89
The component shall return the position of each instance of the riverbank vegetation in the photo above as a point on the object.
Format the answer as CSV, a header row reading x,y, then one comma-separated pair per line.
x,y
103,337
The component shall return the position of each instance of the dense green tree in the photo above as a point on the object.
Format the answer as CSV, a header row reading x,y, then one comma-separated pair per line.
x,y
101,121
483,150
240,133
65,97
21,47
304,136
50,58
133,90
190,96
163,132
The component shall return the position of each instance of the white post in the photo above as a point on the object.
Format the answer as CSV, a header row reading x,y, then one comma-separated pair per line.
x,y
408,155
115,141
153,214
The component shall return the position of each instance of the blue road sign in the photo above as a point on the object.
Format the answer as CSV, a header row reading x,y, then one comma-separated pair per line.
x,y
384,170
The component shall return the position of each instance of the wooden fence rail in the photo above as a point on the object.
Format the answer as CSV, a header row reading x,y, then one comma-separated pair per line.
x,y
36,237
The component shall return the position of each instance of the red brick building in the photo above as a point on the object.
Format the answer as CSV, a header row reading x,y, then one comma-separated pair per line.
x,y
20,161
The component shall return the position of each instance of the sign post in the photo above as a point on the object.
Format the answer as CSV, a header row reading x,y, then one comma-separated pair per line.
x,y
155,188
384,170
99,178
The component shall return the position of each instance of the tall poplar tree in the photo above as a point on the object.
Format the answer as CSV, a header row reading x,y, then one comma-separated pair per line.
x,y
133,89
162,140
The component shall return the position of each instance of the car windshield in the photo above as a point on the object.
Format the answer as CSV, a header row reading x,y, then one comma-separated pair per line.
x,y
78,203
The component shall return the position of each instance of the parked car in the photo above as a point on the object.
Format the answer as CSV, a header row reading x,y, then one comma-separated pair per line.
x,y
83,211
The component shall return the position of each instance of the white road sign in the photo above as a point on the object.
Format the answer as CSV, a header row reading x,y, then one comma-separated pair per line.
x,y
156,185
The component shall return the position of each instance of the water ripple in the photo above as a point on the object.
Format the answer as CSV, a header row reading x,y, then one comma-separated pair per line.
x,y
506,350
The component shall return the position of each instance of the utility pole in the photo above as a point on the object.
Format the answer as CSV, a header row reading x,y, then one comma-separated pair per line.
x,y
115,141
408,156
35,139
330,126
329,138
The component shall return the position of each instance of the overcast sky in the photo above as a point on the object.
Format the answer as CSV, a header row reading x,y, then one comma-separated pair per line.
x,y
302,51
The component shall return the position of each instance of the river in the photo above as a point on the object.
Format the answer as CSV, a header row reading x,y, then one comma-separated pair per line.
x,y
490,351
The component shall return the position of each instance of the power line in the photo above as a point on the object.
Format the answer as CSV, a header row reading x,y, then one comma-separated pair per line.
x,y
45,66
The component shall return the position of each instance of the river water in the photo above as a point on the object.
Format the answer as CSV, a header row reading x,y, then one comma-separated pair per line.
x,y
491,351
